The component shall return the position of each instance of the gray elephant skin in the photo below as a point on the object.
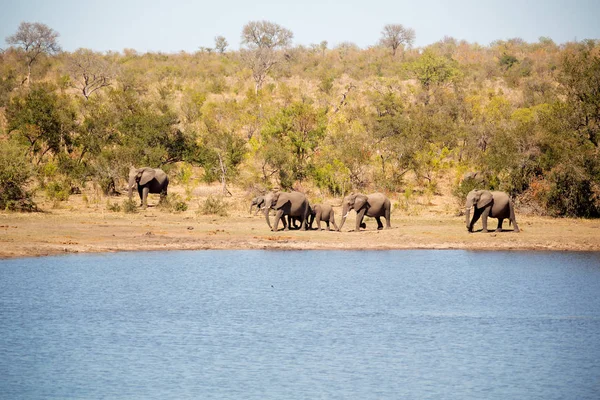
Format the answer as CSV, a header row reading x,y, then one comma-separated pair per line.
x,y
484,204
259,202
286,204
375,205
322,212
148,180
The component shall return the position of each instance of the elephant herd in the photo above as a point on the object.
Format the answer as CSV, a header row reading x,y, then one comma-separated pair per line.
x,y
295,207
294,210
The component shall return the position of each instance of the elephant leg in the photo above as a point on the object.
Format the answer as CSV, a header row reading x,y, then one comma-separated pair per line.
x,y
500,221
379,223
334,224
146,190
512,217
359,219
327,223
484,216
278,216
318,222
141,193
388,222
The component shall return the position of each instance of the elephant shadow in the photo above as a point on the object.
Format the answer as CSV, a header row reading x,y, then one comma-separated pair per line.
x,y
493,230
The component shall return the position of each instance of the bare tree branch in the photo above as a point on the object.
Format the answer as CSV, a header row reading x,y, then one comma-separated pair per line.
x,y
89,72
34,38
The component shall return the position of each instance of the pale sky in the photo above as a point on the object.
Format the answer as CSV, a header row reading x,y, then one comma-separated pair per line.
x,y
175,25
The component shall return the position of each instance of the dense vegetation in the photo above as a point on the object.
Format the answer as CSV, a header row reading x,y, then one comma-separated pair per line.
x,y
524,116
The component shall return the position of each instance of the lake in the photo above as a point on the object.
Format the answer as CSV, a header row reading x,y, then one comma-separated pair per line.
x,y
301,325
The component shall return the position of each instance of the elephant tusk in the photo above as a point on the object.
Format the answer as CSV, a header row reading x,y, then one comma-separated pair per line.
x,y
344,216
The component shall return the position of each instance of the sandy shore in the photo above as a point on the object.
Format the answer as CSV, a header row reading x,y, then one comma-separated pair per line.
x,y
61,231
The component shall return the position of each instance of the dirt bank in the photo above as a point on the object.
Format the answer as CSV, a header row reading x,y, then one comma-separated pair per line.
x,y
76,228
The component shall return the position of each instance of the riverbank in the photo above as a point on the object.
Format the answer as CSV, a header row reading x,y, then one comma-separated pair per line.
x,y
95,229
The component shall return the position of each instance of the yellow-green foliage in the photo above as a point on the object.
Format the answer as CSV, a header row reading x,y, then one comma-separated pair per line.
x,y
524,115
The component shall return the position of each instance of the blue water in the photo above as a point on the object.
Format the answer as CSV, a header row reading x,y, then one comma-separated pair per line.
x,y
301,325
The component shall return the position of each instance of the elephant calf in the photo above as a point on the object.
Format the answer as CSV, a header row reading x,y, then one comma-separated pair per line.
x,y
148,180
489,204
322,212
259,202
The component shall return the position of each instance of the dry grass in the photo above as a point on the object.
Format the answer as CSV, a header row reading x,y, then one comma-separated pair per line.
x,y
85,224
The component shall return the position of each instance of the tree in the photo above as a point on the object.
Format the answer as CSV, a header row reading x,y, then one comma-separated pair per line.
x,y
433,71
15,172
263,40
89,72
221,44
35,38
290,140
396,35
580,78
43,120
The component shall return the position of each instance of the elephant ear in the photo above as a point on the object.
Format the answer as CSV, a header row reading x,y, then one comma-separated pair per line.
x,y
147,176
360,202
485,199
280,201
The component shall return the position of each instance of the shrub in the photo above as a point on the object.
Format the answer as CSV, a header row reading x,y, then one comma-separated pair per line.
x,y
173,203
213,206
571,193
58,191
114,207
129,207
15,173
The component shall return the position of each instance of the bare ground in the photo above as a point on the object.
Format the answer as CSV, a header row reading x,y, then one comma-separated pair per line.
x,y
80,227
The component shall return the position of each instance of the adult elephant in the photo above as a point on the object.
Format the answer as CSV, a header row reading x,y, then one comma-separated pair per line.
x,y
148,180
290,204
375,205
322,212
489,204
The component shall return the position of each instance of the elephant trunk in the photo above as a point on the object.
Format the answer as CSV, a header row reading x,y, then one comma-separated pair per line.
x,y
251,205
267,209
132,183
345,212
468,219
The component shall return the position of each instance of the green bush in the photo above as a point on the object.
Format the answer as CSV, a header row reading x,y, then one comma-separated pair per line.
x,y
15,173
129,207
571,193
58,191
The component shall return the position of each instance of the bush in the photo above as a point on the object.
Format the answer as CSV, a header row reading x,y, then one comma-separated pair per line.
x,y
114,207
213,206
58,191
129,207
173,203
571,193
15,173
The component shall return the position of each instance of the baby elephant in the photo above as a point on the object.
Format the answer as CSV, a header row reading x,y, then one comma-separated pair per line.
x,y
322,212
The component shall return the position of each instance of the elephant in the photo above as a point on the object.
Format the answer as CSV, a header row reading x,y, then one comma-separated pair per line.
x,y
148,180
322,212
259,202
290,204
375,205
489,204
